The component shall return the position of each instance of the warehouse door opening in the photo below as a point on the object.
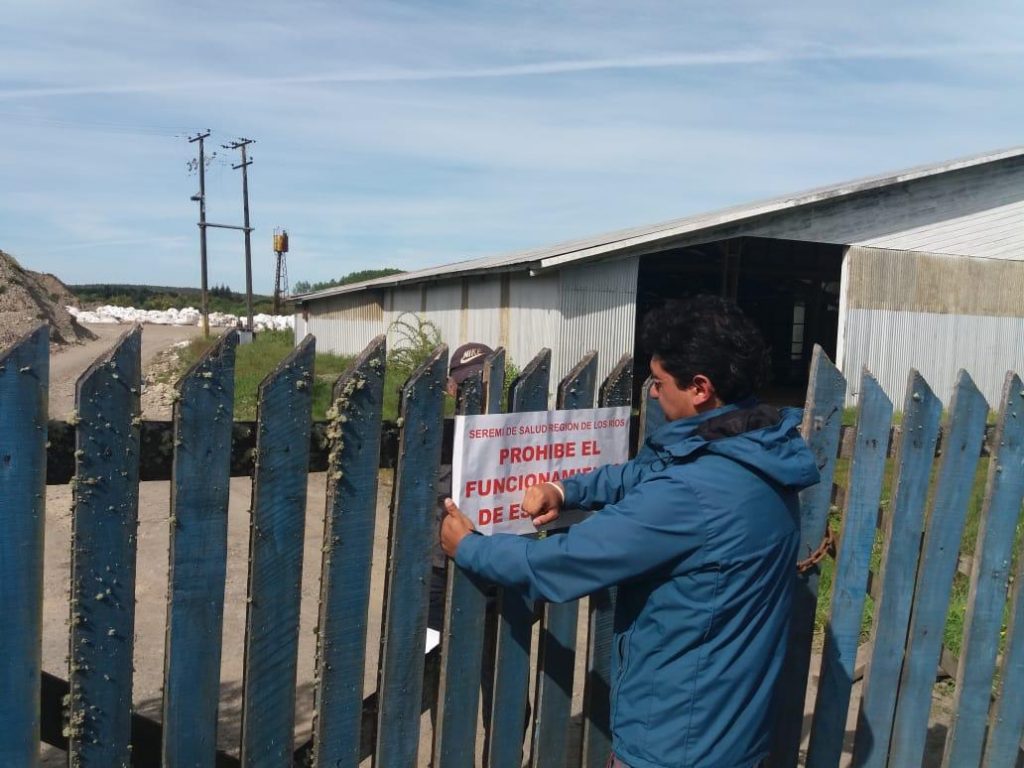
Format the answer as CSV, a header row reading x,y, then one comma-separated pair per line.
x,y
788,287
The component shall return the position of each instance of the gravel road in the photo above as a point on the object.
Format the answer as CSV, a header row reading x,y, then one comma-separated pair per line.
x,y
71,362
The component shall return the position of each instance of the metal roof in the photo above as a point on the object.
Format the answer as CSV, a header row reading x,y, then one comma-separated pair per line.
x,y
548,257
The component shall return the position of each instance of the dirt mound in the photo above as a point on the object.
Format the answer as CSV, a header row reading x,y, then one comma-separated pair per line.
x,y
56,289
26,301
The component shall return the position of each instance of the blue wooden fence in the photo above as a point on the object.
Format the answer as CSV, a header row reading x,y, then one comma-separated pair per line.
x,y
901,556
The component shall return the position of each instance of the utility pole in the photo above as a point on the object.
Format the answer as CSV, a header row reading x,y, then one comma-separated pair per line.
x,y
201,199
241,144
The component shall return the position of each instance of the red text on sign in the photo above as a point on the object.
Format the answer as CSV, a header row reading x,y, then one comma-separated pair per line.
x,y
499,514
491,486
518,454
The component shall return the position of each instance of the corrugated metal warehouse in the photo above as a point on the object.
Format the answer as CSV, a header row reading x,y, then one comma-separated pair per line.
x,y
923,268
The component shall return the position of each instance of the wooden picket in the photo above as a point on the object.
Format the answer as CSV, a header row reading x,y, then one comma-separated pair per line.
x,y
465,606
912,586
104,522
987,596
24,383
849,588
1006,722
349,520
902,530
203,415
275,559
529,392
412,533
556,661
968,411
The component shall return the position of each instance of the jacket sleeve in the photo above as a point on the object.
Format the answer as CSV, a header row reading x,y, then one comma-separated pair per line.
x,y
605,485
657,523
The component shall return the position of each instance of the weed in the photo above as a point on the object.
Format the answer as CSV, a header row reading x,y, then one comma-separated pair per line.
x,y
415,339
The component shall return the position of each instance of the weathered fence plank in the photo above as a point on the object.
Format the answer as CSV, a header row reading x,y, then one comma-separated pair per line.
x,y
494,381
349,519
198,557
275,560
960,452
512,665
900,542
462,639
1006,721
412,534
823,415
104,523
596,743
556,660
991,570
849,586
24,387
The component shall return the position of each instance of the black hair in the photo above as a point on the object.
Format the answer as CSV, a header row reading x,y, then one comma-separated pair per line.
x,y
708,335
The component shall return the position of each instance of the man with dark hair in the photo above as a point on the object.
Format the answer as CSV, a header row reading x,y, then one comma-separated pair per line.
x,y
699,531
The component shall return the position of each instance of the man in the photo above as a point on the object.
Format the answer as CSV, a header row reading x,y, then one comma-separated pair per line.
x,y
700,533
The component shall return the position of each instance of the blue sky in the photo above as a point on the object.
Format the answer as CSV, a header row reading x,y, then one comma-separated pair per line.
x,y
410,134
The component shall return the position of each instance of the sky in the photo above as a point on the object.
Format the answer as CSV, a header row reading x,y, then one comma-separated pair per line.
x,y
412,134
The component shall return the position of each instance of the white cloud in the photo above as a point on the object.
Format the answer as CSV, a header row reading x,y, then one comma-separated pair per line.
x,y
417,133
739,57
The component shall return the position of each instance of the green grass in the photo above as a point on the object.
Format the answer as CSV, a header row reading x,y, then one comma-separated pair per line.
x,y
253,362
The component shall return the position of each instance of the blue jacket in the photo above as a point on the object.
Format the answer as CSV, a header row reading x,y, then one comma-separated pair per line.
x,y
700,532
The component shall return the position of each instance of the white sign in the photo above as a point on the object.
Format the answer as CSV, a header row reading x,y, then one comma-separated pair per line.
x,y
497,457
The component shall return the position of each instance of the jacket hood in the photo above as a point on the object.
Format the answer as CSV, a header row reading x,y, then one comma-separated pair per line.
x,y
765,438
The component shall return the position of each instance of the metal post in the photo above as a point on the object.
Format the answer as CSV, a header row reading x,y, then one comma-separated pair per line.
x,y
277,285
202,231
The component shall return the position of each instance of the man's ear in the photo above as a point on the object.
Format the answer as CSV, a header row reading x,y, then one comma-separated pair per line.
x,y
703,390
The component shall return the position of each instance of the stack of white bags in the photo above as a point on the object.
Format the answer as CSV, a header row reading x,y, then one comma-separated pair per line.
x,y
186,316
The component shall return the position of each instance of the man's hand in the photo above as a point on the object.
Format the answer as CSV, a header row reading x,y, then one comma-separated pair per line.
x,y
542,502
454,528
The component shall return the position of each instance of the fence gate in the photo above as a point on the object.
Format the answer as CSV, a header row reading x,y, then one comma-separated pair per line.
x,y
907,494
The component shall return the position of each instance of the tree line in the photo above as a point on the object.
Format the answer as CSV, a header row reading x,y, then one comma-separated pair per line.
x,y
304,286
